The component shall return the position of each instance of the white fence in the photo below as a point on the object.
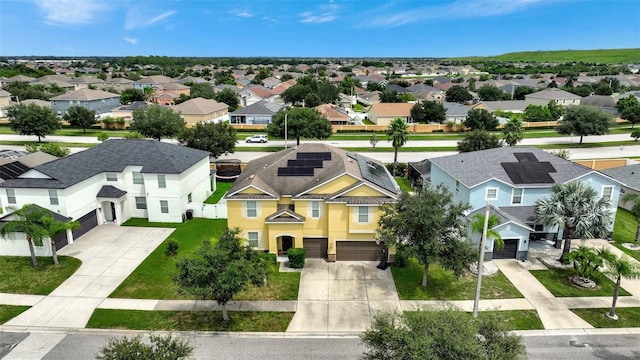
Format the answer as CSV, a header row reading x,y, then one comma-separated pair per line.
x,y
210,211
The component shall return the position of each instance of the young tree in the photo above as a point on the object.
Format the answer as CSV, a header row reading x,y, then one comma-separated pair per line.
x,y
430,227
635,210
49,148
373,140
480,119
156,122
537,113
300,122
33,120
584,120
576,208
130,95
387,96
161,347
631,114
586,261
458,94
445,334
618,268
635,135
398,134
478,140
513,132
491,93
221,271
520,92
228,97
429,112
81,117
477,227
216,138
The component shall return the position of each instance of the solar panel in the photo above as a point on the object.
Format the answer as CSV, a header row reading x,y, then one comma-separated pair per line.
x,y
522,157
314,155
12,170
305,163
374,173
295,171
529,173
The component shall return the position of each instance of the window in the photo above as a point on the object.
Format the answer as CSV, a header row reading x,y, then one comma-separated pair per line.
x,y
11,196
189,198
315,209
253,239
137,178
112,177
162,182
252,210
607,192
141,203
363,214
164,206
53,197
516,199
491,194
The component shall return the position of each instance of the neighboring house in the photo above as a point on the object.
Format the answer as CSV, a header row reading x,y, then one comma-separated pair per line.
x,y
456,113
112,182
126,111
384,113
83,82
513,106
97,100
165,94
259,113
42,103
629,177
50,80
512,179
560,97
604,102
368,98
251,94
335,114
313,196
119,84
5,102
151,81
204,110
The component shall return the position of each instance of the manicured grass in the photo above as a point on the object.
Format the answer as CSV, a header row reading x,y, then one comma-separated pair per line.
x,y
443,285
627,317
190,320
221,189
368,122
575,144
404,184
280,286
517,319
558,283
18,276
624,231
8,312
65,144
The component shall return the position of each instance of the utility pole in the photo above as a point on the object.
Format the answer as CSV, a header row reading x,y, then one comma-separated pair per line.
x,y
285,127
483,240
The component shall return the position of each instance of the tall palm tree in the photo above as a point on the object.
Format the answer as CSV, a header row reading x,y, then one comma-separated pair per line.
x,y
477,226
618,268
635,210
578,209
398,134
513,131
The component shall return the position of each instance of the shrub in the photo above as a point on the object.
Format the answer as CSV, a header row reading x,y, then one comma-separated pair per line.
x,y
103,136
401,169
297,257
133,135
400,259
161,347
172,248
635,135
437,131
268,258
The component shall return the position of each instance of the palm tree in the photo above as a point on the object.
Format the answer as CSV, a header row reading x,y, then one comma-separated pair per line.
x,y
477,227
398,134
635,210
576,208
618,268
513,131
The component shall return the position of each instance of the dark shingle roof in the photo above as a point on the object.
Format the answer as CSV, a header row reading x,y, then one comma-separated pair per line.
x,y
628,175
109,191
113,155
262,107
55,215
502,215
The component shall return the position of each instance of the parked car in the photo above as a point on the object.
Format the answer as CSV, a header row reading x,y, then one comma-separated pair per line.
x,y
257,139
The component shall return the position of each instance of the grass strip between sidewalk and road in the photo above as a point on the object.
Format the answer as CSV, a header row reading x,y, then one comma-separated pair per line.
x,y
241,321
517,319
627,317
18,276
557,281
8,312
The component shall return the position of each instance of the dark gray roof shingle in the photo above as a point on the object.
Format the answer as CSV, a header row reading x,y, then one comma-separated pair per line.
x,y
628,175
109,191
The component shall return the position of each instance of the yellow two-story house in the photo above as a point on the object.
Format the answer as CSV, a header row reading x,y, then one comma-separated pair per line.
x,y
313,196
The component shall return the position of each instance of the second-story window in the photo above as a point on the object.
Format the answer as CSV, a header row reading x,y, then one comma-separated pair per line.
x,y
252,209
516,199
315,209
11,196
363,214
162,182
607,192
137,178
112,177
491,194
53,197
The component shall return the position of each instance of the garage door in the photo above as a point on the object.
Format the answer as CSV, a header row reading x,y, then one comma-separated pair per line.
x,y
87,222
509,252
358,251
60,240
316,248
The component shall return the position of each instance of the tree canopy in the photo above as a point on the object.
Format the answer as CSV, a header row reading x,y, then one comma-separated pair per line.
x,y
584,120
216,138
480,119
513,132
156,122
131,94
81,117
429,112
398,134
478,140
301,122
33,120
631,114
228,97
458,94
491,93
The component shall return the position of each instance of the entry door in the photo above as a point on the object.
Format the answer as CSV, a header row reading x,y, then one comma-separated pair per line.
x,y
287,243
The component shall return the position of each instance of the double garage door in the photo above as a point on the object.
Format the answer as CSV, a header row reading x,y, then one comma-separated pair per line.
x,y
87,222
510,250
358,251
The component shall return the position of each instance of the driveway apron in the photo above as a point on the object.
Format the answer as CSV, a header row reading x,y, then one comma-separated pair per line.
x,y
109,254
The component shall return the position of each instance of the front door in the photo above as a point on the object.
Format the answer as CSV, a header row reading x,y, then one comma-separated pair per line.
x,y
287,243
113,212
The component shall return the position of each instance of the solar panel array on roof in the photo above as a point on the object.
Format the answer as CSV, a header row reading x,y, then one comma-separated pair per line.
x,y
528,170
314,155
522,157
12,170
295,171
304,164
374,172
315,163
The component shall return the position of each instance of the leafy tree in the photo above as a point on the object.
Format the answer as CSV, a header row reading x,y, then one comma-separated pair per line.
x,y
584,120
576,208
295,94
635,135
635,210
458,94
224,77
23,90
228,97
603,89
220,271
477,227
631,114
583,90
130,95
429,112
182,98
161,347
491,93
373,140
53,149
203,90
618,268
480,119
586,261
387,96
398,134
301,122
555,110
626,102
430,227
33,120
446,334
520,92
348,84
286,77
327,92
312,100
374,86
478,140
216,138
513,132
81,117
156,122
537,113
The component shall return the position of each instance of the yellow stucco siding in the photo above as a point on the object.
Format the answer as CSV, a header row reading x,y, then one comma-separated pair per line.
x,y
335,185
276,230
251,190
237,214
316,227
368,227
363,191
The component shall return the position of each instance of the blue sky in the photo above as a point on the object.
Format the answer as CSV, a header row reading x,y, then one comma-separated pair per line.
x,y
309,28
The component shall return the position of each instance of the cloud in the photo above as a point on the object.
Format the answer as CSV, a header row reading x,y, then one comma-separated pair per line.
x,y
71,12
325,13
137,18
130,40
242,13
459,9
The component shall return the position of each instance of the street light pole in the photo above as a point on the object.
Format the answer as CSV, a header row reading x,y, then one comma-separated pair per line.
x,y
285,130
483,240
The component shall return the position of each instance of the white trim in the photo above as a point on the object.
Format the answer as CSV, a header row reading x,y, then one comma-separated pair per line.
x,y
352,205
253,186
530,229
486,193
521,196
319,210
612,187
364,183
328,181
285,211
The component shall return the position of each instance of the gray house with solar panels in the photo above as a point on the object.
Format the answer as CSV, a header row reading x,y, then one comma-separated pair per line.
x,y
512,179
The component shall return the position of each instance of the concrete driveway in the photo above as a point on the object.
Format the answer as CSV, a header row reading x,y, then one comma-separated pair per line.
x,y
109,254
342,297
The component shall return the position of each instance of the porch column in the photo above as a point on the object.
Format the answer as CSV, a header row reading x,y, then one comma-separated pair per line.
x,y
69,236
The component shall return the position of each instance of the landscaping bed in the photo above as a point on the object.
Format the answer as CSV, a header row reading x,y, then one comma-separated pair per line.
x,y
558,282
8,312
18,276
627,317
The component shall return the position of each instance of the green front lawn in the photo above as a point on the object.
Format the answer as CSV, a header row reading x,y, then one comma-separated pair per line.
x,y
404,184
280,286
190,320
558,283
627,317
18,276
443,285
221,189
8,312
624,231
517,319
